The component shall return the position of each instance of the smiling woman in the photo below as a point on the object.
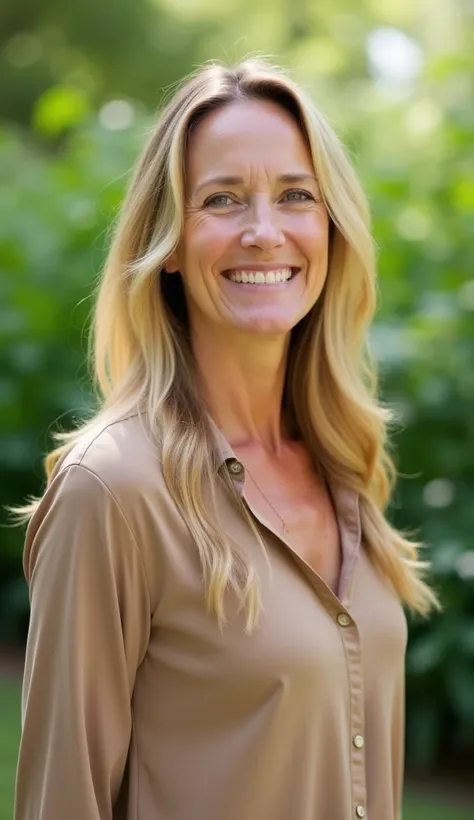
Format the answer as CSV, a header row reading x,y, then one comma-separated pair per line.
x,y
217,626
258,230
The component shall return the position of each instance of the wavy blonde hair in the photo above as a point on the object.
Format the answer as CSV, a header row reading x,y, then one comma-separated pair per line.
x,y
142,357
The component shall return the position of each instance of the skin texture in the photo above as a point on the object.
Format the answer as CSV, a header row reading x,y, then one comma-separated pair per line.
x,y
240,333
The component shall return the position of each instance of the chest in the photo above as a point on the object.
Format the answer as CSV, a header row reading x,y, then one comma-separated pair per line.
x,y
296,504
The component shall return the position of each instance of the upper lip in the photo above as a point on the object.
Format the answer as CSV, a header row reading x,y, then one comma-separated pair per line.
x,y
263,266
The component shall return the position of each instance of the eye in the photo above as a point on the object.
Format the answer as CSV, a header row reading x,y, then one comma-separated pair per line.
x,y
219,200
298,195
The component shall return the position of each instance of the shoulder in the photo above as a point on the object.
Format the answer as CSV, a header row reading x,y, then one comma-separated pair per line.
x,y
109,494
121,458
111,466
121,454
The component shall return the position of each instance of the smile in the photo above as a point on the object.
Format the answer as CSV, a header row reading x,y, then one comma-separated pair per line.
x,y
259,277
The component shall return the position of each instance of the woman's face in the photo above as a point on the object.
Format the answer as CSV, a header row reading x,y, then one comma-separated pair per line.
x,y
254,250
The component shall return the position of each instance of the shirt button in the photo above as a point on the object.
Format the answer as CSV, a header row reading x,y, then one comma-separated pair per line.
x,y
235,467
360,811
343,619
358,741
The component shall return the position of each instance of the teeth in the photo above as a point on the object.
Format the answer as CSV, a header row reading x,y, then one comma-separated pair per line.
x,y
258,277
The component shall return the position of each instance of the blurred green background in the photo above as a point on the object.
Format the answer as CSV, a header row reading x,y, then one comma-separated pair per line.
x,y
80,83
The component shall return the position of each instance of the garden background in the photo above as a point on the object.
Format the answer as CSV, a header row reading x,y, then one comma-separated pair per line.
x,y
80,82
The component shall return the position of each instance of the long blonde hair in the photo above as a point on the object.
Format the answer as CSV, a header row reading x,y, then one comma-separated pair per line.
x,y
142,357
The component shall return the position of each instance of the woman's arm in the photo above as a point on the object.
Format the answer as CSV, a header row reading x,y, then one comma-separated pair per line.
x,y
89,630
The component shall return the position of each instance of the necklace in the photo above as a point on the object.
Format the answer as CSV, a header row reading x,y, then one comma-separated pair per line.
x,y
285,528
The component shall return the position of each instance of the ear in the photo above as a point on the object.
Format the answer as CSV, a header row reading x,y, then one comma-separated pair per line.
x,y
171,264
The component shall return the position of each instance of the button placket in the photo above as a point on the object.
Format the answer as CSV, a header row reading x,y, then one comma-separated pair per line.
x,y
351,642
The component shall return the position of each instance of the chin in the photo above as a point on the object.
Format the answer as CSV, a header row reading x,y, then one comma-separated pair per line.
x,y
267,325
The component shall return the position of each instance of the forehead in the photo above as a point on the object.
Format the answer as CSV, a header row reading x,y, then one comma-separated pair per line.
x,y
244,135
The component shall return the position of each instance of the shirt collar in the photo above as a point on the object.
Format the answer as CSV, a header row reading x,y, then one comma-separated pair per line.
x,y
345,499
223,450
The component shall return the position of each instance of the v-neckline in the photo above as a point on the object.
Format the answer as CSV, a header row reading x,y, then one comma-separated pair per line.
x,y
349,540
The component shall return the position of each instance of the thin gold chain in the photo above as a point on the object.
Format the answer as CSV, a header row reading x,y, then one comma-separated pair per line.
x,y
285,528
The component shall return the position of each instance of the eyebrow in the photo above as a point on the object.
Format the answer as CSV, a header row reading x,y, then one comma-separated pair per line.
x,y
234,180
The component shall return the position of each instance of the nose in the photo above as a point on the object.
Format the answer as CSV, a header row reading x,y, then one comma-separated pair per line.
x,y
262,230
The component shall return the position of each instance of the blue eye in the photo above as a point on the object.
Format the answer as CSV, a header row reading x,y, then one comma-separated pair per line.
x,y
215,200
298,196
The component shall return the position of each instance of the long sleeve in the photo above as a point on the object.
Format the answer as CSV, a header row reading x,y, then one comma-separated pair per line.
x,y
89,631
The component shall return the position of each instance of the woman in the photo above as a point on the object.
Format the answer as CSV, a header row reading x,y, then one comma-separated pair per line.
x,y
217,630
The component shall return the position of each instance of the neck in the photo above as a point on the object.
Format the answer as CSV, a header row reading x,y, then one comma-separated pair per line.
x,y
243,379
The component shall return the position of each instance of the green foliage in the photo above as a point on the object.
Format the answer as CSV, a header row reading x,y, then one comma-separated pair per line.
x,y
422,199
9,740
57,210
99,49
419,809
60,108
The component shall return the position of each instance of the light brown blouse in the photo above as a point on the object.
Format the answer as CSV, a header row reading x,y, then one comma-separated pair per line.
x,y
136,706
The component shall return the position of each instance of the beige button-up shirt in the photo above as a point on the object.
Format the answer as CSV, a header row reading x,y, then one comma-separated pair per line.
x,y
136,706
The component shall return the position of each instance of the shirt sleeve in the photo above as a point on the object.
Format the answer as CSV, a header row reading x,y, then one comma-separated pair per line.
x,y
89,630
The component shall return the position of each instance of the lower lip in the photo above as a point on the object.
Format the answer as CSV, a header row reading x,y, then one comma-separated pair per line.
x,y
261,288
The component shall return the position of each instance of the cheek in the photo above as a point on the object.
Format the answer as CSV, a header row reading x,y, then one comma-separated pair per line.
x,y
207,240
315,231
314,243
